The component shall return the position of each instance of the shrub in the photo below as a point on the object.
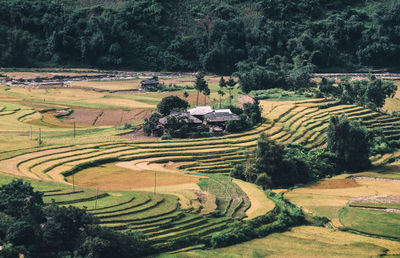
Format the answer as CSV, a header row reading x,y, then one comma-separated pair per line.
x,y
238,171
236,125
166,137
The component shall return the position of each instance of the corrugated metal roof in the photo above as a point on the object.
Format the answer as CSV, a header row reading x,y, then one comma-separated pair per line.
x,y
200,111
221,117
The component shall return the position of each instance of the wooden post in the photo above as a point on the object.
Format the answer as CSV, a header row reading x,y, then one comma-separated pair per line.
x,y
74,129
97,194
73,183
30,133
40,136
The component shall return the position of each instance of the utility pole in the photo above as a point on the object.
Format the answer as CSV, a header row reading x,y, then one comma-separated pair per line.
x,y
73,183
97,194
40,136
74,129
30,133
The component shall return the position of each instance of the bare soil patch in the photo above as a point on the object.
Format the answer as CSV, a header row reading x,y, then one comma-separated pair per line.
x,y
335,184
138,135
83,116
245,99
106,117
378,199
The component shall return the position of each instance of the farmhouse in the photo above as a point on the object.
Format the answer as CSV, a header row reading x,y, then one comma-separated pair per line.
x,y
150,84
169,121
212,120
200,111
220,117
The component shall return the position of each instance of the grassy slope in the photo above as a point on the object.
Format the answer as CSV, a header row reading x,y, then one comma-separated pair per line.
x,y
304,241
371,221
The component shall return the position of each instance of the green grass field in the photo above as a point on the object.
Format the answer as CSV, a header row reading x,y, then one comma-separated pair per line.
x,y
373,222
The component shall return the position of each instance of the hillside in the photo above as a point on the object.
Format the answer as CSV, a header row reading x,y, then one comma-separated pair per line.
x,y
263,38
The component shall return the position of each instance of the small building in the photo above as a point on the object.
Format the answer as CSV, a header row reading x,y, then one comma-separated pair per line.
x,y
220,117
192,121
150,84
200,111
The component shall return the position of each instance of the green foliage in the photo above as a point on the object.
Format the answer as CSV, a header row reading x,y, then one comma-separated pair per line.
x,y
166,137
201,85
171,103
150,125
369,93
284,216
30,227
275,165
350,142
233,126
272,43
18,199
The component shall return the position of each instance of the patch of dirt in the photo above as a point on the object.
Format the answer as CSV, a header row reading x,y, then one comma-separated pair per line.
x,y
138,135
83,116
106,117
245,99
335,184
378,199
207,201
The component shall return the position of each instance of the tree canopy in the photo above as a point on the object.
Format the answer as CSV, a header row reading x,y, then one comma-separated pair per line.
x,y
273,42
171,103
29,227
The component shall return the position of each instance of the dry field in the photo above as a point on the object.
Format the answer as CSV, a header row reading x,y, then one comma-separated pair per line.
x,y
115,177
98,117
330,196
259,203
305,241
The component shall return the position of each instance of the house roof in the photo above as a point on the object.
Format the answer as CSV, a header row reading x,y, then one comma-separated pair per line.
x,y
149,82
223,111
221,117
200,111
186,115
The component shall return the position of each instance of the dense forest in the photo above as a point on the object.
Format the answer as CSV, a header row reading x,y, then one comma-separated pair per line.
x,y
254,38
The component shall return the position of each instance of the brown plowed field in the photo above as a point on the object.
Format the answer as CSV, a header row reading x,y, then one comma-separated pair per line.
x,y
335,184
106,117
84,116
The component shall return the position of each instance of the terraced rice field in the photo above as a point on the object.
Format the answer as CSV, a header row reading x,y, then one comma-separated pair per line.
x,y
305,241
177,216
307,121
302,121
157,216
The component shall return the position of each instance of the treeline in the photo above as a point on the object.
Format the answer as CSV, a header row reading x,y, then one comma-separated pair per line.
x,y
31,228
271,43
349,146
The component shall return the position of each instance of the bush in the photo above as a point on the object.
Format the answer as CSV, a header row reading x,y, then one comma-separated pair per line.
x,y
236,125
166,137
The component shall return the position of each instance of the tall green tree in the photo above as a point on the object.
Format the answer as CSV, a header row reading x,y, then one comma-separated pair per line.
x,y
200,85
206,93
222,84
230,84
350,142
